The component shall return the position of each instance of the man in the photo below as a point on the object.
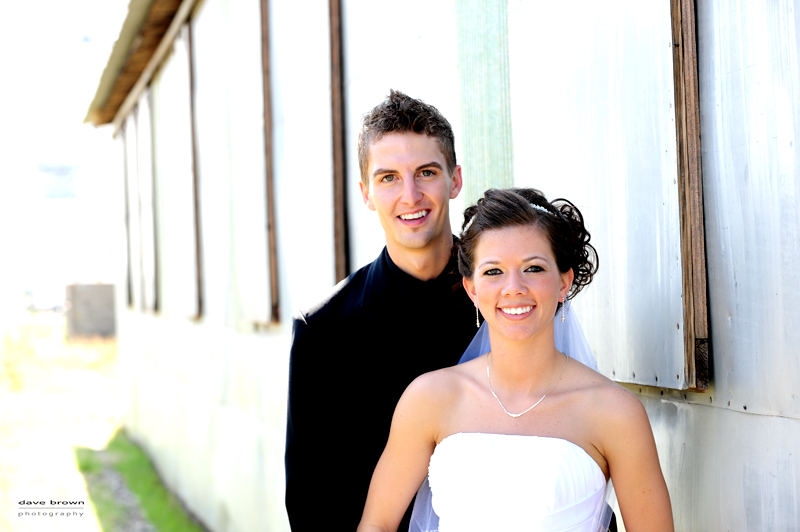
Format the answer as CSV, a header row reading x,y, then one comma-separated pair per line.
x,y
404,314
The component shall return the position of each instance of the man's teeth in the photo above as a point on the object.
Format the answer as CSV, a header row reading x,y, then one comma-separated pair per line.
x,y
517,310
414,216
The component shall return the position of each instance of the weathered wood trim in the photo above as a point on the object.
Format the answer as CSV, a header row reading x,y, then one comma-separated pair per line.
x,y
690,187
164,46
129,268
272,241
340,234
154,206
198,234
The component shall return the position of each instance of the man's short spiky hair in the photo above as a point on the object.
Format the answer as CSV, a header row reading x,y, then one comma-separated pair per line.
x,y
400,113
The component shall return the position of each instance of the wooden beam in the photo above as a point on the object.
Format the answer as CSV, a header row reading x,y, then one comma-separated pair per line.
x,y
690,186
156,24
198,227
272,241
340,234
153,59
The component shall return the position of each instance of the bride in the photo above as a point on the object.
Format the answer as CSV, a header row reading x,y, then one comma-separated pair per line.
x,y
523,437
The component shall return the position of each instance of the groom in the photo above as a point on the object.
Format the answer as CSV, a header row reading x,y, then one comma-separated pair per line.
x,y
400,316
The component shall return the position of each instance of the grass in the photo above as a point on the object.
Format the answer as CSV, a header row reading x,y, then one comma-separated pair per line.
x,y
108,512
160,506
157,503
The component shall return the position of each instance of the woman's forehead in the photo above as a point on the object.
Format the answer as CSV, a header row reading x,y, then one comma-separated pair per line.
x,y
513,241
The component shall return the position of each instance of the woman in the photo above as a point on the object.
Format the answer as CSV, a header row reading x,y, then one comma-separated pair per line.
x,y
522,438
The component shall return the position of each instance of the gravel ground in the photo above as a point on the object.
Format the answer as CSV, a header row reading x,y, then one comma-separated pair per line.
x,y
55,396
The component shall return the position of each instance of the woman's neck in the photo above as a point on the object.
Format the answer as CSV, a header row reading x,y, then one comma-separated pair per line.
x,y
524,366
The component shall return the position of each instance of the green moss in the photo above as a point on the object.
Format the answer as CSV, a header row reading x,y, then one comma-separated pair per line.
x,y
101,497
158,504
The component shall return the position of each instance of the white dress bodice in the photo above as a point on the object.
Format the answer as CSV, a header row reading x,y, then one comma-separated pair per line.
x,y
505,483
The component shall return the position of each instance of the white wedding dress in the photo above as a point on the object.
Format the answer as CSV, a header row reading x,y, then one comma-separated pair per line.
x,y
506,483
498,483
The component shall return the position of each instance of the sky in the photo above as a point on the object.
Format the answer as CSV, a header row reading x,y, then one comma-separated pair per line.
x,y
59,182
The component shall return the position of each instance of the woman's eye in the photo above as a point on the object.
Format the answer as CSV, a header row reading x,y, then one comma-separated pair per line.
x,y
493,271
534,269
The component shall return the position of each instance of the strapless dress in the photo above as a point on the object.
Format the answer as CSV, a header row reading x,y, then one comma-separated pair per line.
x,y
507,483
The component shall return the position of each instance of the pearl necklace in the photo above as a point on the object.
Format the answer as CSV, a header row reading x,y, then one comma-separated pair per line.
x,y
489,378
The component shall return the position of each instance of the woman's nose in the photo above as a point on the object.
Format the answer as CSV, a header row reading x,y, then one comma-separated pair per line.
x,y
514,284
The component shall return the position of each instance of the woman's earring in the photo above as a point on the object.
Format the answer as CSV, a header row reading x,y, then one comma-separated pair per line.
x,y
563,304
477,321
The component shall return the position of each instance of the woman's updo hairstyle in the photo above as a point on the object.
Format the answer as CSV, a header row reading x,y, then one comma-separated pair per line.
x,y
559,220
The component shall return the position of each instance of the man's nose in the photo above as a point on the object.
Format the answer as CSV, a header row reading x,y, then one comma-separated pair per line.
x,y
411,192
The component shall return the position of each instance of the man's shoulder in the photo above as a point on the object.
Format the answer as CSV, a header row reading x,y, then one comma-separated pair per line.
x,y
346,299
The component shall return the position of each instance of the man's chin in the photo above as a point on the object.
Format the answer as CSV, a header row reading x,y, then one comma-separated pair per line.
x,y
418,241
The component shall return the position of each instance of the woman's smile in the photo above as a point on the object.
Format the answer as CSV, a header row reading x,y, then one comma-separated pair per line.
x,y
516,283
516,311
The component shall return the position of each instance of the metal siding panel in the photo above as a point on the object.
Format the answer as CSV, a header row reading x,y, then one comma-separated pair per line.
x,y
146,200
594,117
750,119
175,185
211,65
248,164
300,77
231,162
727,470
134,217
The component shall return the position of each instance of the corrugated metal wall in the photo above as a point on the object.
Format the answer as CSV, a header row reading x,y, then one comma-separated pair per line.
x,y
732,455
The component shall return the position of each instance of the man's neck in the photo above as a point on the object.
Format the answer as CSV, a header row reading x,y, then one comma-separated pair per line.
x,y
424,264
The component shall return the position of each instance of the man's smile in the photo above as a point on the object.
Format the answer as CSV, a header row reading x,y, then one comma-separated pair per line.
x,y
414,215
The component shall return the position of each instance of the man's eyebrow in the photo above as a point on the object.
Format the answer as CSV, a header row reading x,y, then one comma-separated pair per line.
x,y
432,164
382,171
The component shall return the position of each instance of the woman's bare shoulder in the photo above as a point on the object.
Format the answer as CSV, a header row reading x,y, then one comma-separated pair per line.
x,y
444,382
604,397
430,399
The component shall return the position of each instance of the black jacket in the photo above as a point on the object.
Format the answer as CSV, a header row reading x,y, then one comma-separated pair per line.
x,y
352,357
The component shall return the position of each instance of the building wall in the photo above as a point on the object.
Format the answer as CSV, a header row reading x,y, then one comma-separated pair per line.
x,y
731,455
207,396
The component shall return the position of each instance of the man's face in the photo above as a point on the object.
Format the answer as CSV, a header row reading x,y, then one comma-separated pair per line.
x,y
410,188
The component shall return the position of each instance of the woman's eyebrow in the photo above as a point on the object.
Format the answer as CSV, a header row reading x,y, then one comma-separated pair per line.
x,y
533,257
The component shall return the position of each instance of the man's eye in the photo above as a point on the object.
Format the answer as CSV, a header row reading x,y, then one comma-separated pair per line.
x,y
427,173
388,178
492,271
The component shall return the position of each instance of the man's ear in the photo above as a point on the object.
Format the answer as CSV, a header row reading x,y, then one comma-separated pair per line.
x,y
365,196
458,182
469,287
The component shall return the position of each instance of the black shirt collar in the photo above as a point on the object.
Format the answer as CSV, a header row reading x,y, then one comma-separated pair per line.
x,y
448,277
